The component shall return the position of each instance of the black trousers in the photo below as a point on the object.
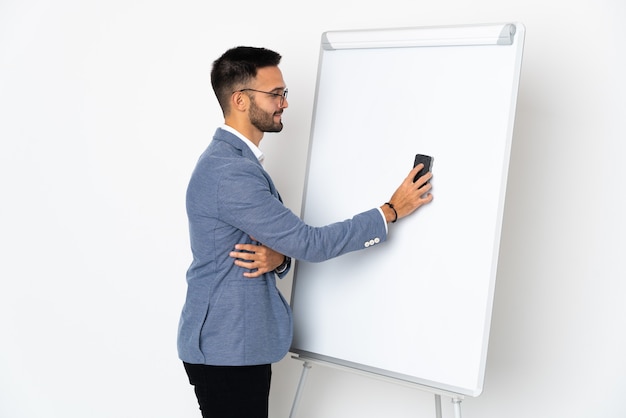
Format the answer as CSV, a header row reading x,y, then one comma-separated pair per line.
x,y
231,391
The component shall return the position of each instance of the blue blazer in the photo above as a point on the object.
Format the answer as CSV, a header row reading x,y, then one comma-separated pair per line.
x,y
229,319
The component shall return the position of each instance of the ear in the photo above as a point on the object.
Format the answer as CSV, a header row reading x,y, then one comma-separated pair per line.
x,y
239,101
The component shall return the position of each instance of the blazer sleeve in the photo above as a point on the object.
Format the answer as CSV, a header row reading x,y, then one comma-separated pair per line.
x,y
247,202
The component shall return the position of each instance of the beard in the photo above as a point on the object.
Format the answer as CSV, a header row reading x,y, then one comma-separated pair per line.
x,y
264,121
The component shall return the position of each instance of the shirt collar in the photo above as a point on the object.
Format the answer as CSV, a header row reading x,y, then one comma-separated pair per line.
x,y
257,152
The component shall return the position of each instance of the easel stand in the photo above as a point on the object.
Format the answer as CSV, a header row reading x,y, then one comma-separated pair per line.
x,y
308,363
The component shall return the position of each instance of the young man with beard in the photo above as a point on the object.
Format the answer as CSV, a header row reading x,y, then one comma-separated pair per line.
x,y
235,323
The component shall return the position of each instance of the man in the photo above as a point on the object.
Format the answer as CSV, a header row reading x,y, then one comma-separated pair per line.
x,y
235,323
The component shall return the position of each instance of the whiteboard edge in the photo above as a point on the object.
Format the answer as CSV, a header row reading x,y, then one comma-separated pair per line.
x,y
519,45
383,374
459,35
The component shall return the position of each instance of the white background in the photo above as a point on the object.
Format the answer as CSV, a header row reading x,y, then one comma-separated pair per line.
x,y
104,109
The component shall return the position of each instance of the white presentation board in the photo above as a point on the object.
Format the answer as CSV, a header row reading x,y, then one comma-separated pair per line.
x,y
417,307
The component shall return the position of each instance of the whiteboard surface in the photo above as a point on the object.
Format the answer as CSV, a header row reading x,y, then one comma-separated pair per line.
x,y
417,307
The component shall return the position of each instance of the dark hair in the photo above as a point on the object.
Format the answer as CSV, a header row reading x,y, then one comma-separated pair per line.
x,y
236,67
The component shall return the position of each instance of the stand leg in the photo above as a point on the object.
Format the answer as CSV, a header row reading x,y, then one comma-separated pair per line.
x,y
457,407
305,371
438,406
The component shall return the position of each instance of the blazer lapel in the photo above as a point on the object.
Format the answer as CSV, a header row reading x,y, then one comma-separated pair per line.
x,y
245,151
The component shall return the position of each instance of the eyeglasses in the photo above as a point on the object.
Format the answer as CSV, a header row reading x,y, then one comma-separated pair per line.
x,y
282,95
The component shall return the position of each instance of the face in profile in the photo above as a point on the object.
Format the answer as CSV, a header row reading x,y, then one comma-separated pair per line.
x,y
268,100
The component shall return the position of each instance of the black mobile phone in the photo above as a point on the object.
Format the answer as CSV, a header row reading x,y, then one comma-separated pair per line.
x,y
427,160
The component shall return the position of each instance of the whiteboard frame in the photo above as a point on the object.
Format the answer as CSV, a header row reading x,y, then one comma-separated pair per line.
x,y
506,35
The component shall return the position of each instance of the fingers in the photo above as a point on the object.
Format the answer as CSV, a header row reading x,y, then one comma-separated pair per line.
x,y
421,180
250,253
425,178
253,272
256,259
423,184
249,260
414,171
253,248
249,256
426,197
255,268
411,195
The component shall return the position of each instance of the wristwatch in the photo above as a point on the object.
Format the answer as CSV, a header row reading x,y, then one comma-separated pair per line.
x,y
284,266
